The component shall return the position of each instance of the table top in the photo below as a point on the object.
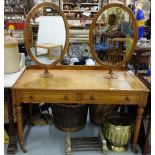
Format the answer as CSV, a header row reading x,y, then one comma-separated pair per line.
x,y
79,80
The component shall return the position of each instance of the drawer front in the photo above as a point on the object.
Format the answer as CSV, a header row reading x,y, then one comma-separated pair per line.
x,y
110,98
51,97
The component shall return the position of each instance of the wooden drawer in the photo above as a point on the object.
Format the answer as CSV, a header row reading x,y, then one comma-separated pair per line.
x,y
110,98
50,97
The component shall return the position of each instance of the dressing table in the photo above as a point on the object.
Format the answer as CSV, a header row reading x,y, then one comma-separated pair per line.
x,y
80,84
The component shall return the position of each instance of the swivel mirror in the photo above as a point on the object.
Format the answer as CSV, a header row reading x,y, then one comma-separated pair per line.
x,y
46,35
113,36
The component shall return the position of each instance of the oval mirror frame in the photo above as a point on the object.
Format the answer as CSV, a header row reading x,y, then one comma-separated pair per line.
x,y
27,33
91,35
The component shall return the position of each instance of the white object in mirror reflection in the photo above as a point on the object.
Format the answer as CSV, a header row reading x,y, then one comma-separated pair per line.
x,y
144,43
73,60
90,62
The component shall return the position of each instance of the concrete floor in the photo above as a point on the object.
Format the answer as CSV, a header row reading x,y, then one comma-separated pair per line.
x,y
48,140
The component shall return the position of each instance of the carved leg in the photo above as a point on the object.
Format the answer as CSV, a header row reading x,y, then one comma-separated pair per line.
x,y
20,127
68,143
137,128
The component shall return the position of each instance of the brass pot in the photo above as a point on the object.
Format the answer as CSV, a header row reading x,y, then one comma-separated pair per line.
x,y
117,130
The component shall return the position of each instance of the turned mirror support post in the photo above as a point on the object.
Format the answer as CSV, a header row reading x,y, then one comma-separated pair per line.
x,y
46,74
110,75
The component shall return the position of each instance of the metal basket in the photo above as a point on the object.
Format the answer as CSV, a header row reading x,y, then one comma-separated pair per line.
x,y
117,130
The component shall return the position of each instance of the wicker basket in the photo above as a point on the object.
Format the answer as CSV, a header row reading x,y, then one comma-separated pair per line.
x,y
97,112
70,117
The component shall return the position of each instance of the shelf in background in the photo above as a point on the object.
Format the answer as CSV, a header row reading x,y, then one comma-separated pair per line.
x,y
81,18
79,11
14,12
81,4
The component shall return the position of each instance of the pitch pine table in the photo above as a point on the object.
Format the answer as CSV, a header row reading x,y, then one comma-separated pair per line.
x,y
81,85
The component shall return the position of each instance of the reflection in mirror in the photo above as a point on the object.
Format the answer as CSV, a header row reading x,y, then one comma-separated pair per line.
x,y
113,36
78,54
47,40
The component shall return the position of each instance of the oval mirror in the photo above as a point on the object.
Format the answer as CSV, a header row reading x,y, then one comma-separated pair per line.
x,y
113,36
46,35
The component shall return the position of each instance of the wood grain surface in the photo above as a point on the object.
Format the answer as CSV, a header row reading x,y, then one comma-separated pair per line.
x,y
80,80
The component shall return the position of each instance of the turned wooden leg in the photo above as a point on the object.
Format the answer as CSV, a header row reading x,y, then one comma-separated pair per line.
x,y
49,53
20,127
137,128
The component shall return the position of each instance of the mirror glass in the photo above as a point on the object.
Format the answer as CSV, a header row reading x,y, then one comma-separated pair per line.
x,y
45,34
113,36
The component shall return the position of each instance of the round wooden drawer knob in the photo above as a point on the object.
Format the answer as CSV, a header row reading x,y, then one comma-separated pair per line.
x,y
66,97
127,98
31,97
92,97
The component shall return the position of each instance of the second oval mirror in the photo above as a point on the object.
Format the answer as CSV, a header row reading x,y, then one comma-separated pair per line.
x,y
113,35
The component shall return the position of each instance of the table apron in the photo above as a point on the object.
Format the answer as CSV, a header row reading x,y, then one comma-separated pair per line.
x,y
81,97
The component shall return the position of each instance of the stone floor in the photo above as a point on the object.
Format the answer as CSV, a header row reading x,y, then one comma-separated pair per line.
x,y
47,139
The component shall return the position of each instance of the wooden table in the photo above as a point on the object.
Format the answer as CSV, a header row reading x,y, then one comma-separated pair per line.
x,y
82,85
